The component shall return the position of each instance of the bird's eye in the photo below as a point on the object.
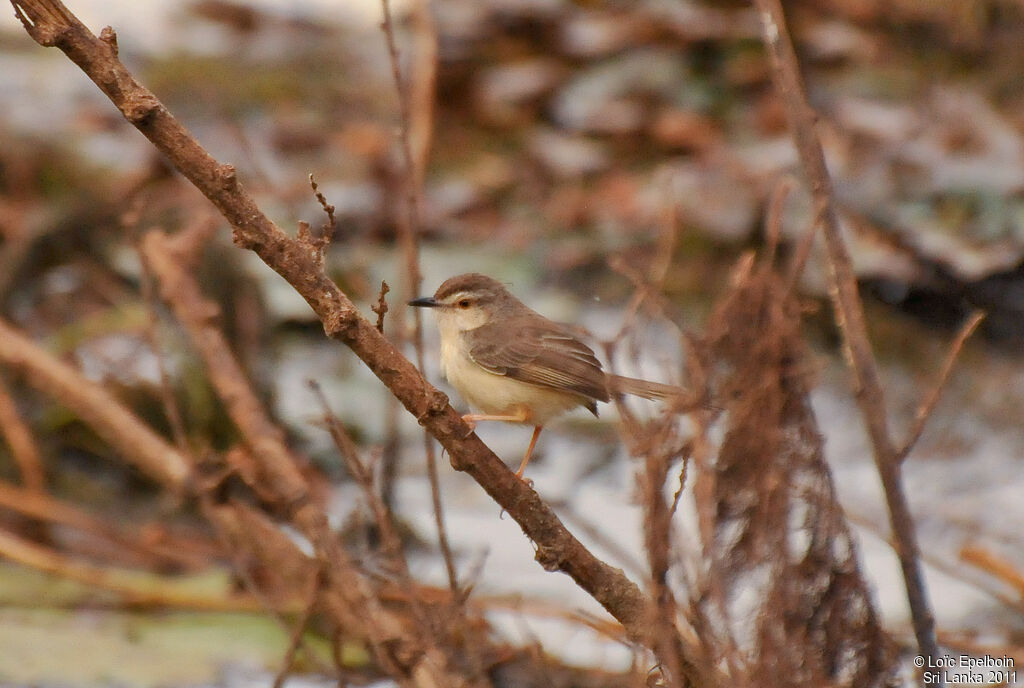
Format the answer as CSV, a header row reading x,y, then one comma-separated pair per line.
x,y
465,303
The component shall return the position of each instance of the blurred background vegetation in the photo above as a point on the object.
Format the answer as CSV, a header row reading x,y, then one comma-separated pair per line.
x,y
563,132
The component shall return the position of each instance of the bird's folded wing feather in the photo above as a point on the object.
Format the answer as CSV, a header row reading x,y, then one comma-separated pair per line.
x,y
539,356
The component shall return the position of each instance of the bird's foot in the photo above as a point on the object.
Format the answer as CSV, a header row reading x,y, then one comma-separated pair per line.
x,y
469,420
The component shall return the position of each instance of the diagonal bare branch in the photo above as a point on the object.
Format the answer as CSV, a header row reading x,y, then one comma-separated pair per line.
x,y
50,24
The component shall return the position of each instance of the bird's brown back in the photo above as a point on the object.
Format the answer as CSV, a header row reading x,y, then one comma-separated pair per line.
x,y
541,352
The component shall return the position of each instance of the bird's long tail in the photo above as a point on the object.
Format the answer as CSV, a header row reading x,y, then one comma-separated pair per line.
x,y
680,398
618,384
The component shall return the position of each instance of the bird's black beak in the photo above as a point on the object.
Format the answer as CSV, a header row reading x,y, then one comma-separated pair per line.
x,y
425,302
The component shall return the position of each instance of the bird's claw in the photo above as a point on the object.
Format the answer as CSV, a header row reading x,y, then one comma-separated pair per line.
x,y
468,420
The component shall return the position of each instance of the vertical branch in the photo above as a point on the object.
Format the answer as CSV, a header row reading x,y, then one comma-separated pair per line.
x,y
850,316
408,227
423,85
657,536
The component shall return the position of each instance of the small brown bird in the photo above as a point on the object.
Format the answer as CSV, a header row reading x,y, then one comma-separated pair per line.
x,y
515,365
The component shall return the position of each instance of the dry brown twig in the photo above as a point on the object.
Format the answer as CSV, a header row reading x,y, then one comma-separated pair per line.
x,y
928,403
171,409
422,87
802,253
295,640
327,232
363,477
658,444
448,618
414,169
21,442
381,308
321,240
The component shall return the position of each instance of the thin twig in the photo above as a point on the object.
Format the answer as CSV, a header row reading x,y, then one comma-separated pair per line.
x,y
850,316
773,221
21,442
327,232
382,305
408,225
315,584
171,409
803,249
924,411
658,444
322,239
392,543
647,286
683,470
658,543
363,477
422,86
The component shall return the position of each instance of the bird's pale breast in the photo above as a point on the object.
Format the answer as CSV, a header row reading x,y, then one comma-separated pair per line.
x,y
496,394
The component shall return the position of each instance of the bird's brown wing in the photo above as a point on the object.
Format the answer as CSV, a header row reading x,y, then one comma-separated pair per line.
x,y
539,354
